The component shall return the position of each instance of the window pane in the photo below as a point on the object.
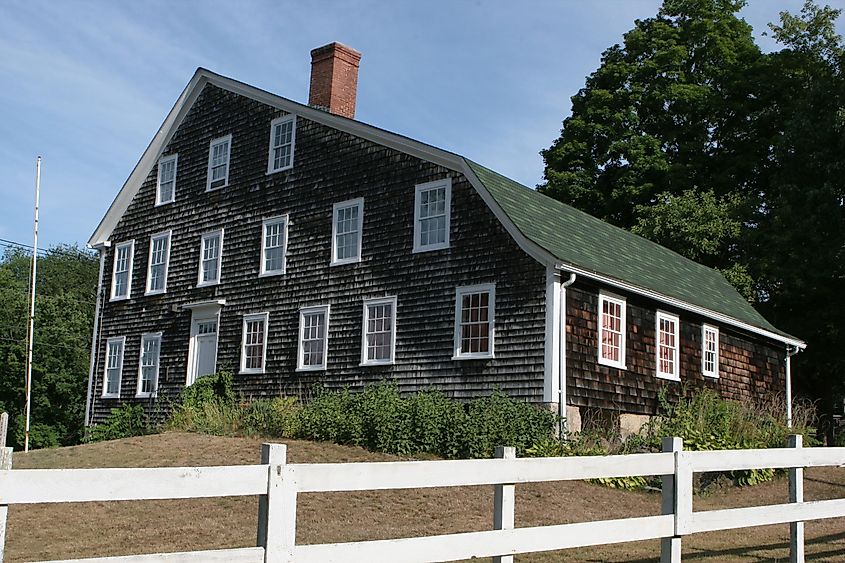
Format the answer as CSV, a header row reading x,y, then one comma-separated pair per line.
x,y
379,331
432,216
274,246
254,344
475,323
347,227
313,334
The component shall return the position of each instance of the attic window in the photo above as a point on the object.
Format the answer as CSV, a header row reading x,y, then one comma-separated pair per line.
x,y
347,231
166,183
122,272
218,163
611,331
710,351
282,139
667,346
432,210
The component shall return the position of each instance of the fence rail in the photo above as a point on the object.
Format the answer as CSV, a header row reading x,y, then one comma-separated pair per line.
x,y
278,483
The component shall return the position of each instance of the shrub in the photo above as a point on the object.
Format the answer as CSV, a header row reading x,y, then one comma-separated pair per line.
x,y
276,418
123,422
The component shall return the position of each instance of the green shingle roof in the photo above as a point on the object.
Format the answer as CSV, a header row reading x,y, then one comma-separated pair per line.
x,y
583,241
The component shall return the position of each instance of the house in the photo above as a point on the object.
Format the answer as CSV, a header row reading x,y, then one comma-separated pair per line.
x,y
293,245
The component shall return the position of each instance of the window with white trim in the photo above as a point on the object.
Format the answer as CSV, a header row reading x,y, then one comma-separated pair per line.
x,y
667,327
274,241
347,229
254,343
379,331
149,365
611,330
166,183
218,163
121,282
432,210
114,366
710,351
475,310
158,263
211,258
313,338
282,140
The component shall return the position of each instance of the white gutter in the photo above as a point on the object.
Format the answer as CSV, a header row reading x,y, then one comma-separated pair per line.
x,y
101,248
562,349
721,317
789,353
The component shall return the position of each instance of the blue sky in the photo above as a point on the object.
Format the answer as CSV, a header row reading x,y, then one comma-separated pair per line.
x,y
87,84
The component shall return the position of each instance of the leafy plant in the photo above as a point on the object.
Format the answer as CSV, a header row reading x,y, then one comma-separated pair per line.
x,y
123,422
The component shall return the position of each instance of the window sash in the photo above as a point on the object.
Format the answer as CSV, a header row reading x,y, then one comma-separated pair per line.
x,y
254,343
379,331
710,351
432,205
114,367
122,271
346,231
149,365
474,321
218,162
166,192
210,256
274,242
667,346
281,147
159,255
611,342
313,338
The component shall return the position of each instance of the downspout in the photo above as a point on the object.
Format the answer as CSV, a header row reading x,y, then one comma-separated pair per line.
x,y
101,248
562,348
790,351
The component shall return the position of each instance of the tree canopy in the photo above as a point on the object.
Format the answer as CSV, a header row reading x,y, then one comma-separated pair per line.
x,y
64,313
690,135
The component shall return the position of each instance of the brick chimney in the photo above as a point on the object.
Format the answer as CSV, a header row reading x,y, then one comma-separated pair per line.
x,y
334,79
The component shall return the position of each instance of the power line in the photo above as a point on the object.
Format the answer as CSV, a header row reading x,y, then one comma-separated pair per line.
x,y
12,244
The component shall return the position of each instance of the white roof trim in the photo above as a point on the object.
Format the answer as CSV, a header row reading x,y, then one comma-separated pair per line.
x,y
386,138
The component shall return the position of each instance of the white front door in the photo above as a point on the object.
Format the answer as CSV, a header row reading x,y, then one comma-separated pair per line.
x,y
202,358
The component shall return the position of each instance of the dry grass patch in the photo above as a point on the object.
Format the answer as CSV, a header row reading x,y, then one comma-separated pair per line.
x,y
99,529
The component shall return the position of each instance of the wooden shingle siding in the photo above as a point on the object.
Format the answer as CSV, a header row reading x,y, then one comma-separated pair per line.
x,y
330,166
749,368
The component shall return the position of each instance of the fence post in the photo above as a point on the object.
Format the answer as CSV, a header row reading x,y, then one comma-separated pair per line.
x,y
670,548
4,427
5,463
796,494
504,503
277,509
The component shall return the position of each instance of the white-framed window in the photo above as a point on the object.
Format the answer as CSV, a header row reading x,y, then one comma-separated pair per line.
x,y
166,183
148,365
378,341
710,351
218,163
432,211
667,331
254,343
313,338
282,141
121,281
612,330
347,230
211,258
274,243
114,366
158,262
475,311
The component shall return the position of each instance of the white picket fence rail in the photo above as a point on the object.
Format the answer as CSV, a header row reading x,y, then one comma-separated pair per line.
x,y
278,483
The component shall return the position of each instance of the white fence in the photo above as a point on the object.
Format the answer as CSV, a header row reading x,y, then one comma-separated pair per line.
x,y
278,483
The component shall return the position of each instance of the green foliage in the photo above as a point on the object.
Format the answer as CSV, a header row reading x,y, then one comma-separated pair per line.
x,y
66,290
123,422
216,388
377,418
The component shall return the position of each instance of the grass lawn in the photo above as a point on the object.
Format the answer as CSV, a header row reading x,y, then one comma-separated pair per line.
x,y
121,528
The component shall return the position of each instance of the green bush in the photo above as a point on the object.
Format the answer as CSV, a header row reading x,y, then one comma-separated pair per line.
x,y
123,422
276,418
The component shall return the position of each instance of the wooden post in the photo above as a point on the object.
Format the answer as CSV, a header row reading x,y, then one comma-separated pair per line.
x,y
277,509
5,463
504,503
4,428
796,494
670,548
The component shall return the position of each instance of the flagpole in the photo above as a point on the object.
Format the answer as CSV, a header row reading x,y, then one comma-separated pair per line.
x,y
31,331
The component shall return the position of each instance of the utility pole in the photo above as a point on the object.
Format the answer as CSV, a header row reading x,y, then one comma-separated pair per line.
x,y
31,331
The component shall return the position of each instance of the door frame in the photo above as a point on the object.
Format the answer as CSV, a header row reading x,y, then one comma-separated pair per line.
x,y
201,312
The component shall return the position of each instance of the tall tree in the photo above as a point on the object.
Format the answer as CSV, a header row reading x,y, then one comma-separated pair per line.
x,y
67,278
689,135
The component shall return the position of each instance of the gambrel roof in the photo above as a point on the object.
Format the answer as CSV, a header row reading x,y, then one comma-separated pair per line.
x,y
552,232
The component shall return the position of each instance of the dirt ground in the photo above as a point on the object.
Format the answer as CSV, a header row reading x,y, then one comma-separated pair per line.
x,y
39,532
